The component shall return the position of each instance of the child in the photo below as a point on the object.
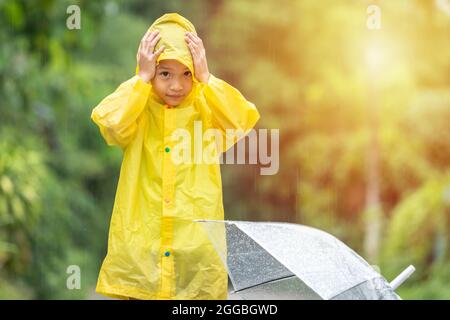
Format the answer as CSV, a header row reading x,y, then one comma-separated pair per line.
x,y
155,250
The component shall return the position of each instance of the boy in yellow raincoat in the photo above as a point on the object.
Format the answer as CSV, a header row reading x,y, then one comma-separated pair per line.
x,y
155,249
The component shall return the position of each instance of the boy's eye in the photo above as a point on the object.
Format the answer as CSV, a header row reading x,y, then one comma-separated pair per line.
x,y
164,73
187,73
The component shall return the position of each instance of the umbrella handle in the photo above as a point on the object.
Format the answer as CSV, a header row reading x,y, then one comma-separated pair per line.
x,y
402,277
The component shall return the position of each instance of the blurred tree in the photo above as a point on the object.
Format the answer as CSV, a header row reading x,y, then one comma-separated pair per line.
x,y
301,62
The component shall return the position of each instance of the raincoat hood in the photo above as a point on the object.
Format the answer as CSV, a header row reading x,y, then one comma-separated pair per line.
x,y
172,28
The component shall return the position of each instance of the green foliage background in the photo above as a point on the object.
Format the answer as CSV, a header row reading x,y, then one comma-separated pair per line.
x,y
300,62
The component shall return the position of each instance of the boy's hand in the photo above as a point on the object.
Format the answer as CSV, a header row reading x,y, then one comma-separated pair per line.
x,y
198,53
146,57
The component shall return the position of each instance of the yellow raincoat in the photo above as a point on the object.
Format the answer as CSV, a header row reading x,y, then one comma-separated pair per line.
x,y
155,250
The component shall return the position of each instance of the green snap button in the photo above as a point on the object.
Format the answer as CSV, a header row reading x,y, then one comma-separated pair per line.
x,y
167,253
167,149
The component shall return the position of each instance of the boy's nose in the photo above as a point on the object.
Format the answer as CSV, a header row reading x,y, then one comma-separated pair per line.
x,y
175,90
176,87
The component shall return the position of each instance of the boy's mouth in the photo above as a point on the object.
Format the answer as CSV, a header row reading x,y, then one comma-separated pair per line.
x,y
174,96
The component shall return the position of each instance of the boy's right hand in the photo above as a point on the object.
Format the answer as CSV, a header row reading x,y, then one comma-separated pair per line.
x,y
146,57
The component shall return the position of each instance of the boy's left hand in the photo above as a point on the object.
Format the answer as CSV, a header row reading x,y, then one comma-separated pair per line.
x,y
198,53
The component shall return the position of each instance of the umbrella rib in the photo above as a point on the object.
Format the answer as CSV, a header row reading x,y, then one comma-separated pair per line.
x,y
352,287
256,285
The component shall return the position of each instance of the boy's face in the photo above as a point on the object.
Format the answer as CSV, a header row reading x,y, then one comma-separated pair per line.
x,y
172,81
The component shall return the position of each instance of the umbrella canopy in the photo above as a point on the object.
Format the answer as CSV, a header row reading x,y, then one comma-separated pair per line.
x,y
273,260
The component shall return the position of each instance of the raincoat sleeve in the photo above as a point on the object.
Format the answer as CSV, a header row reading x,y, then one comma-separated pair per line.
x,y
228,109
117,114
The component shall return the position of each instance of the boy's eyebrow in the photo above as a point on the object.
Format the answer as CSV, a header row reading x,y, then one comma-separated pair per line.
x,y
163,67
169,68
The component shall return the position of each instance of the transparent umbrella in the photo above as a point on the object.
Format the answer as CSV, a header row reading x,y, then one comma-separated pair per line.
x,y
273,260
